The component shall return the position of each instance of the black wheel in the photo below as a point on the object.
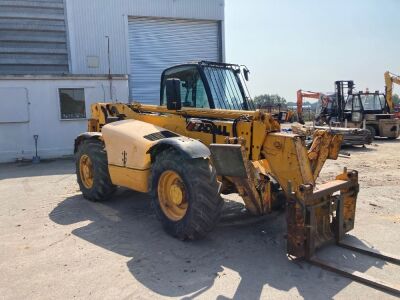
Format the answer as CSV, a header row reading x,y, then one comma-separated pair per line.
x,y
372,130
92,171
185,195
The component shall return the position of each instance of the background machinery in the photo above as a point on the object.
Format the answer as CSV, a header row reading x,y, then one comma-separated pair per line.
x,y
366,110
359,110
327,108
325,104
300,100
280,112
203,141
390,80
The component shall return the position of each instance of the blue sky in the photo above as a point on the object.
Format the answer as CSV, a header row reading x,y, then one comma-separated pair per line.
x,y
308,44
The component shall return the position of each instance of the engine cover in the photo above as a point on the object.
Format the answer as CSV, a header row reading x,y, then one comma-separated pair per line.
x,y
127,142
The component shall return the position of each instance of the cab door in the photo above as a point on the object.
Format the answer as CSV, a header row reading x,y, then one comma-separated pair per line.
x,y
193,90
354,110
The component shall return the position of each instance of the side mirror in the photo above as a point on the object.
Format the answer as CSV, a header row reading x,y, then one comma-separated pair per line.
x,y
173,91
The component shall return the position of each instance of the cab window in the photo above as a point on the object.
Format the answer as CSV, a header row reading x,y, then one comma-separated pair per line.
x,y
193,92
357,104
372,102
353,103
349,103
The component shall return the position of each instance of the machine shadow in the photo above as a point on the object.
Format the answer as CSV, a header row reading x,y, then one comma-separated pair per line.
x,y
172,268
382,140
359,149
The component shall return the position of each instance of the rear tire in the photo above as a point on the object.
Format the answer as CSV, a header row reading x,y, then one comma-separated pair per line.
x,y
201,207
92,171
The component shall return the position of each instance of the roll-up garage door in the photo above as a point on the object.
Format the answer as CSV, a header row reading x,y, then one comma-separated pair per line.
x,y
156,44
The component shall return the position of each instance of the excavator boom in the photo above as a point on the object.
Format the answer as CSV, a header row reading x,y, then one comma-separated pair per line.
x,y
390,79
300,96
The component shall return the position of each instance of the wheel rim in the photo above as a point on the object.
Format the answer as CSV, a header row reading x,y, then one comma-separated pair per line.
x,y
172,195
86,171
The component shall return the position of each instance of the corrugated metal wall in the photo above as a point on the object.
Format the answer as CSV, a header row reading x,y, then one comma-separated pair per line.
x,y
158,43
89,21
33,37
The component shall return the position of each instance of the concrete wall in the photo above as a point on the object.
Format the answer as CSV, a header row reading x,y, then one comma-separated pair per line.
x,y
41,114
89,21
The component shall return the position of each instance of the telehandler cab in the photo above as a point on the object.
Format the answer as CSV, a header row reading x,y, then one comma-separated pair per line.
x,y
204,139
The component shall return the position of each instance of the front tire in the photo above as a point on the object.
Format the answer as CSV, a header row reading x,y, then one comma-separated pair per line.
x,y
185,195
92,171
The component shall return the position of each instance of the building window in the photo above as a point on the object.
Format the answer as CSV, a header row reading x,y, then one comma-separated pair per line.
x,y
72,104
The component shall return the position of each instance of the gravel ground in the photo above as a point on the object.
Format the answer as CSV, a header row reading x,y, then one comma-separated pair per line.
x,y
55,244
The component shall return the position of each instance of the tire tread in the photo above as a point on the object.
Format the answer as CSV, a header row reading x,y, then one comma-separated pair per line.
x,y
205,203
102,187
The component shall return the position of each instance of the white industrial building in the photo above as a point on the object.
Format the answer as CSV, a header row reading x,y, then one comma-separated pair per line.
x,y
56,58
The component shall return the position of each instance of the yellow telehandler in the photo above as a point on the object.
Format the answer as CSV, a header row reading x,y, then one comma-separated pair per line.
x,y
205,139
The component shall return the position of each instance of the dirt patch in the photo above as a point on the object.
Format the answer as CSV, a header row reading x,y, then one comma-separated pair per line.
x,y
54,244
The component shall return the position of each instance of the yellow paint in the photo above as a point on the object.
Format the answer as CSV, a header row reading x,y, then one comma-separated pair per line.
x,y
266,151
130,178
287,159
172,195
126,145
390,79
86,171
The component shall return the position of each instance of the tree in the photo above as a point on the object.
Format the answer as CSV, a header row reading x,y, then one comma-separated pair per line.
x,y
266,100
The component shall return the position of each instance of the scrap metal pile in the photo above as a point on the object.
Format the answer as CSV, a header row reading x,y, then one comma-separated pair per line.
x,y
351,136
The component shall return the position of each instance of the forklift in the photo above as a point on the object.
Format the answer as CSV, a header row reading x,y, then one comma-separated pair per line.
x,y
362,109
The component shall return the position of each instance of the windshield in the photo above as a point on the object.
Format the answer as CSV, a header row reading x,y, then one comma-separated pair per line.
x,y
373,102
353,103
226,88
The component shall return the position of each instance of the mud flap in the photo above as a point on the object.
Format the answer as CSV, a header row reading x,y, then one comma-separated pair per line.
x,y
228,160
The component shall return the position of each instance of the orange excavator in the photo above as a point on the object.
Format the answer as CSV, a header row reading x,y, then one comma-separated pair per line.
x,y
300,96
